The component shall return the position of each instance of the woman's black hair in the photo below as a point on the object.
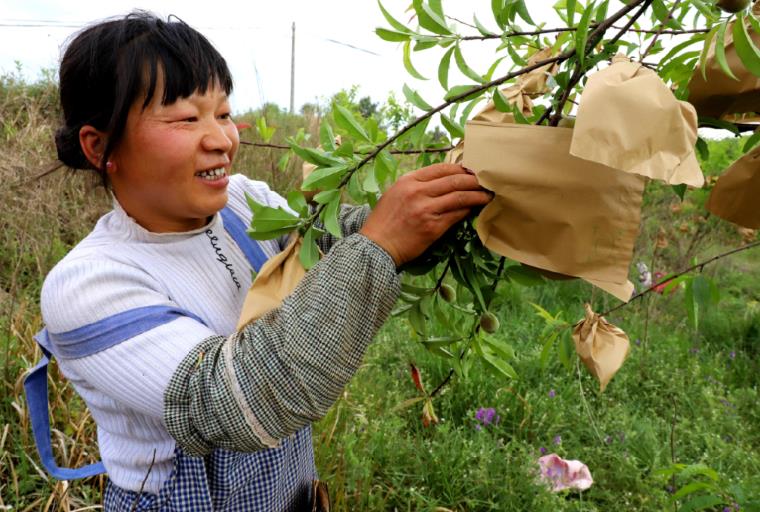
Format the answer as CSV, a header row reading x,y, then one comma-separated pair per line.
x,y
110,65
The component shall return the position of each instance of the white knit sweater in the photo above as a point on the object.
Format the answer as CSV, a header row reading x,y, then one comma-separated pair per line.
x,y
118,267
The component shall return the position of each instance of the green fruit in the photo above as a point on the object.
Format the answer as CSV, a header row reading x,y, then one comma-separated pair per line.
x,y
489,322
732,6
447,293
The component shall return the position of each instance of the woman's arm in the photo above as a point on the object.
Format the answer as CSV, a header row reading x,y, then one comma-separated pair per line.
x,y
284,371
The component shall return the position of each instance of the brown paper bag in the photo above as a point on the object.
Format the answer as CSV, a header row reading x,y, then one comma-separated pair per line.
x,y
276,280
552,210
736,195
629,119
601,346
720,94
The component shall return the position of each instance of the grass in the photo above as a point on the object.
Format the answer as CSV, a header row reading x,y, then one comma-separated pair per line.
x,y
683,396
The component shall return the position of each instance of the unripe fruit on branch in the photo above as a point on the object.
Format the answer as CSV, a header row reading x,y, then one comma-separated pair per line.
x,y
447,293
489,322
732,6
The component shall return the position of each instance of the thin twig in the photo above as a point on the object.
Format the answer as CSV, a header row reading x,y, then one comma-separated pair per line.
x,y
142,485
393,151
662,27
666,279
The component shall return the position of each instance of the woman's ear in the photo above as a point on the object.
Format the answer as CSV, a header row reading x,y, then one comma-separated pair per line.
x,y
93,143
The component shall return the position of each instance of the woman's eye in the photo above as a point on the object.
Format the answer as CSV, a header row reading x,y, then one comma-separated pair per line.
x,y
225,116
191,119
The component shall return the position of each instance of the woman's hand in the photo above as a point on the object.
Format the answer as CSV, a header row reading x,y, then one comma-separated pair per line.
x,y
420,207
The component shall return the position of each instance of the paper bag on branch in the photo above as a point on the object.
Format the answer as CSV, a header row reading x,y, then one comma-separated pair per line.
x,y
276,280
736,195
552,210
717,94
601,346
628,119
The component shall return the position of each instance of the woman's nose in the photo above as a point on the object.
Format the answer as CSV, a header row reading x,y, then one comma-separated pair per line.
x,y
216,138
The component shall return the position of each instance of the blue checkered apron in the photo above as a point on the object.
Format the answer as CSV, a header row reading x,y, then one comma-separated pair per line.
x,y
270,480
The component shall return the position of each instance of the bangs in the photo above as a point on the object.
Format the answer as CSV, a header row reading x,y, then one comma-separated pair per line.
x,y
186,61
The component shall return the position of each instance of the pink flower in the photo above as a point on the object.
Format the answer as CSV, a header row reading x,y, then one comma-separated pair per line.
x,y
563,474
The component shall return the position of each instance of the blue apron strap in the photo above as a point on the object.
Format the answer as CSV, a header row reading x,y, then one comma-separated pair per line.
x,y
36,387
80,342
236,228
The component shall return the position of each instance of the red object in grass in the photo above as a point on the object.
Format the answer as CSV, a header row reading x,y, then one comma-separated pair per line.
x,y
243,126
417,378
660,288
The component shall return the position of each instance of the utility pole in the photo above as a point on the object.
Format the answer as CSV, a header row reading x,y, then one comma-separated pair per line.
x,y
292,67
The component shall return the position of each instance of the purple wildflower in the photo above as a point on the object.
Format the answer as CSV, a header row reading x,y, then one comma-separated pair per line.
x,y
637,341
552,393
732,355
487,416
542,450
727,509
557,439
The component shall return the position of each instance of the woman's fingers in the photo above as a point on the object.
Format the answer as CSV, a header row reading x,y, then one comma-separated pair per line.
x,y
436,171
451,183
461,199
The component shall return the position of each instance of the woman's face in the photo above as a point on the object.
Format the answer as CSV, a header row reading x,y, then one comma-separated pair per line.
x,y
171,168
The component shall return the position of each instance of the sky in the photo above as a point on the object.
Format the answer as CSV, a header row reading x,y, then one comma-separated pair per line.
x,y
336,46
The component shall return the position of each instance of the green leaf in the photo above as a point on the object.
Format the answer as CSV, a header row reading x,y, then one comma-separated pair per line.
x,y
385,167
268,222
581,34
461,89
483,30
454,129
691,489
326,136
324,177
566,351
503,349
699,469
745,48
703,502
522,11
408,62
391,20
326,196
720,50
692,308
282,163
309,254
500,102
703,150
706,50
346,120
702,292
330,217
473,284
523,275
492,69
428,19
443,68
547,347
752,141
297,202
415,99
499,365
390,35
464,68
679,190
499,14
570,12
313,156
719,123
437,18
417,319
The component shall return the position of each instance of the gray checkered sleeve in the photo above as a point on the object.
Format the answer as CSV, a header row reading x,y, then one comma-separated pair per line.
x,y
285,370
351,219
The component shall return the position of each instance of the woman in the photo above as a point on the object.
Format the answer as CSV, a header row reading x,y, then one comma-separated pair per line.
x,y
141,314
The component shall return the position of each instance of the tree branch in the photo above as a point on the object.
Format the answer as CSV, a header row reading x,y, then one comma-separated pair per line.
x,y
393,151
662,27
666,279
